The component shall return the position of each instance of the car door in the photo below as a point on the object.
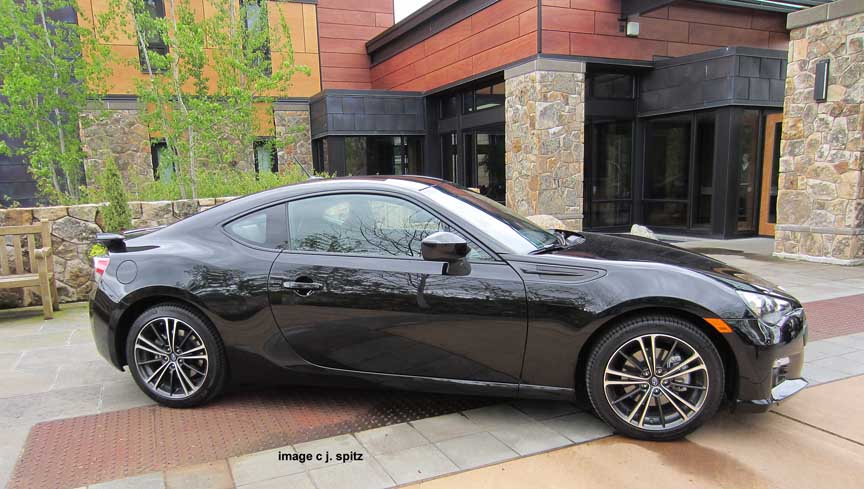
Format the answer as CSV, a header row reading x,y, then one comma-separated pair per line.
x,y
351,291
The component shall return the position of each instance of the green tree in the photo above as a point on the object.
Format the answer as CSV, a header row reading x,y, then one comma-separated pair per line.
x,y
46,82
116,216
208,81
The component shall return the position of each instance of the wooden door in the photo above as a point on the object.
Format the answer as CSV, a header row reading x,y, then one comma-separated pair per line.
x,y
770,167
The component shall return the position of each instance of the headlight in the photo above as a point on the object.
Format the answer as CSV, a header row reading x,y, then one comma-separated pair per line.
x,y
765,307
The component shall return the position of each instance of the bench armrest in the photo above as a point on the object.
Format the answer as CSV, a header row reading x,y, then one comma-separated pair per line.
x,y
43,252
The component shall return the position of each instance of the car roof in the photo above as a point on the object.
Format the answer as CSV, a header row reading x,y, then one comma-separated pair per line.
x,y
410,183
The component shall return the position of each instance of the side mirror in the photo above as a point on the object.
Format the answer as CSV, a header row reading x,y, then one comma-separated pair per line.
x,y
449,248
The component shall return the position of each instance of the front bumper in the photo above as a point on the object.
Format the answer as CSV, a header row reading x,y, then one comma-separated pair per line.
x,y
779,393
770,360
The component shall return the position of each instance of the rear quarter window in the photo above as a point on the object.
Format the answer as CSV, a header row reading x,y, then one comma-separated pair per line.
x,y
267,228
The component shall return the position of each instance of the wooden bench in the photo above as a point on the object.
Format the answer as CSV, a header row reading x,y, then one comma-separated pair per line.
x,y
40,261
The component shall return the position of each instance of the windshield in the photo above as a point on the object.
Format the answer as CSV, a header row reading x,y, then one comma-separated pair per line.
x,y
513,230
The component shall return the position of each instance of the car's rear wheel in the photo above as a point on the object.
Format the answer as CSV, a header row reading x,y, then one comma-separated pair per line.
x,y
656,377
175,356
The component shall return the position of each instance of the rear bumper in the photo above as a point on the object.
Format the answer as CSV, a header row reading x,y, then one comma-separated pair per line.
x,y
770,360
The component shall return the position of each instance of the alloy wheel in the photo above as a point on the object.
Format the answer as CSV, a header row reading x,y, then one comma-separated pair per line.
x,y
171,358
656,382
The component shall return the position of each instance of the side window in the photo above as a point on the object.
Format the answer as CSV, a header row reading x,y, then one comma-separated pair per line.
x,y
265,228
363,224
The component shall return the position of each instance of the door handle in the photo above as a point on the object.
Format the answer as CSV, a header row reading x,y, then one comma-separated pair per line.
x,y
306,286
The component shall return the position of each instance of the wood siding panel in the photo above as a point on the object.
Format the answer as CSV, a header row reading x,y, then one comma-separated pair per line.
x,y
681,29
495,36
300,18
344,27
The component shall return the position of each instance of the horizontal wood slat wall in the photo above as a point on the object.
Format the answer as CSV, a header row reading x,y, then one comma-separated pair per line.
x,y
495,36
344,26
591,28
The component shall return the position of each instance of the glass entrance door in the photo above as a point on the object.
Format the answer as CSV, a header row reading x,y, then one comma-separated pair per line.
x,y
667,172
770,174
484,163
609,174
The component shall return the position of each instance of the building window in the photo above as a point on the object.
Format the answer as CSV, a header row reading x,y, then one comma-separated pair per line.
x,y
257,35
383,155
266,158
485,97
163,164
149,12
611,86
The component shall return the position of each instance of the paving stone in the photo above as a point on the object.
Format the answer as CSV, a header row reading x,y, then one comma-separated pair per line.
x,y
81,336
8,360
445,427
823,349
13,329
15,344
817,374
579,427
841,364
540,410
24,382
352,475
90,373
260,466
124,394
152,480
295,481
857,357
849,341
64,403
12,442
391,438
210,475
497,416
56,357
476,450
332,446
528,438
416,464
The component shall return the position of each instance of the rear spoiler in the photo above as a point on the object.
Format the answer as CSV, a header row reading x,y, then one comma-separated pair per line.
x,y
116,242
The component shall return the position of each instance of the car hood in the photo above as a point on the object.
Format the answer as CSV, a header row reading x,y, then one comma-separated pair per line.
x,y
625,247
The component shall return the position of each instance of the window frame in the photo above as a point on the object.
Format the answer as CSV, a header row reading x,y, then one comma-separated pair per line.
x,y
158,47
495,258
274,154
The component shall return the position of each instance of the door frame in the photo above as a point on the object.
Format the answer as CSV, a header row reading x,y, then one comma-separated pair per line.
x,y
766,228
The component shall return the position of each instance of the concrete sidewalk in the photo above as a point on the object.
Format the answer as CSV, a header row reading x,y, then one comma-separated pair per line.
x,y
812,441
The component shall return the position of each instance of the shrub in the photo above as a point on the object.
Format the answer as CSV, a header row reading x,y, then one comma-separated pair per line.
x,y
116,215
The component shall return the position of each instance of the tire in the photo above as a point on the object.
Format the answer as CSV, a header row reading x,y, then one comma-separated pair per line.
x,y
192,377
656,403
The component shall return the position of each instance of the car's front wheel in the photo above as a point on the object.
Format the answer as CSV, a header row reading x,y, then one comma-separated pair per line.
x,y
175,356
656,378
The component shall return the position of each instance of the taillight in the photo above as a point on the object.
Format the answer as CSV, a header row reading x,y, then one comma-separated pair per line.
x,y
100,263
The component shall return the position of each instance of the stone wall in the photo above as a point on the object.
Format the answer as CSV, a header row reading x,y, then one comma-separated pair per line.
x,y
73,233
821,192
115,131
545,128
295,122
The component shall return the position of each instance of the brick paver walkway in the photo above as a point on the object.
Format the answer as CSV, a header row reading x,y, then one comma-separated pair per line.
x,y
835,317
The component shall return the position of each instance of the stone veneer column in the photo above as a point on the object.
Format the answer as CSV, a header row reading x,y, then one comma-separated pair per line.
x,y
545,134
293,117
821,196
113,129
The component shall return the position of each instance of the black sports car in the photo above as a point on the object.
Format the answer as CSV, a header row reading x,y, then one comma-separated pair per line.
x,y
413,282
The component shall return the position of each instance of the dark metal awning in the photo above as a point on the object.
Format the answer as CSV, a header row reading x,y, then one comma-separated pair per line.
x,y
636,7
